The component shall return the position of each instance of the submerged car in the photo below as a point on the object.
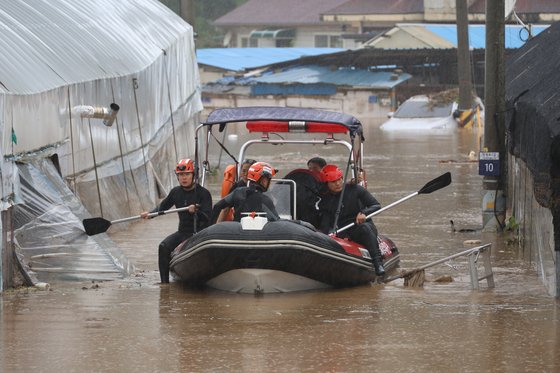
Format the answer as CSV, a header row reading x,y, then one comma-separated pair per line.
x,y
421,113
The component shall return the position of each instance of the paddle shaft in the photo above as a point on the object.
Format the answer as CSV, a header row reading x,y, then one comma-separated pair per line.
x,y
379,211
150,215
94,226
431,186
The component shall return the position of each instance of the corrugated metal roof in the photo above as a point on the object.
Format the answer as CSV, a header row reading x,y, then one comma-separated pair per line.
x,y
361,7
424,35
515,36
522,6
51,43
239,59
274,13
342,77
428,38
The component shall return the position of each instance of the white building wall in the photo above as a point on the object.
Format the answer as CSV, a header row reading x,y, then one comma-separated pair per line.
x,y
305,36
358,103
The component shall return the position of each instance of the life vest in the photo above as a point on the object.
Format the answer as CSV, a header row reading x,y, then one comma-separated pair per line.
x,y
230,177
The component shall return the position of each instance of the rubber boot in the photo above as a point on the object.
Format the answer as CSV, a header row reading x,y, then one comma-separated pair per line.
x,y
163,262
377,259
378,267
366,234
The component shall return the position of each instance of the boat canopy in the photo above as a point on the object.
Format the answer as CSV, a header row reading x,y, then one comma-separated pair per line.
x,y
284,114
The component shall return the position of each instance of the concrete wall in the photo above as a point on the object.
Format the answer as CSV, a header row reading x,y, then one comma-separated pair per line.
x,y
354,102
210,74
536,232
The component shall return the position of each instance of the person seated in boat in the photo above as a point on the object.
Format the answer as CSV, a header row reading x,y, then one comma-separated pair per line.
x,y
316,164
198,201
357,203
243,174
250,198
244,169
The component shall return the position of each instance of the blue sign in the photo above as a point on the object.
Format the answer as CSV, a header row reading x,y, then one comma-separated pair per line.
x,y
489,164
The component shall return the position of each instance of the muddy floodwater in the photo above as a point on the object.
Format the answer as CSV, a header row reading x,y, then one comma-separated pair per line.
x,y
136,325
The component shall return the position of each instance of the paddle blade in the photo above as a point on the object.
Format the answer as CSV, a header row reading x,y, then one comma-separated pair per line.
x,y
95,226
436,184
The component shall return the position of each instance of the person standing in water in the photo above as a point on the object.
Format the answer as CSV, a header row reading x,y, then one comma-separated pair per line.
x,y
198,201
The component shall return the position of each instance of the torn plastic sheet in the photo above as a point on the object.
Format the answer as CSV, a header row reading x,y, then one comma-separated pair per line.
x,y
49,237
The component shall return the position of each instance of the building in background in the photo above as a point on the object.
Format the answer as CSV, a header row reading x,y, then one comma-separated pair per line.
x,y
407,60
216,63
350,23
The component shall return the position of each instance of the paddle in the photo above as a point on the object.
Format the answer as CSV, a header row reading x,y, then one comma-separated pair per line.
x,y
95,226
431,186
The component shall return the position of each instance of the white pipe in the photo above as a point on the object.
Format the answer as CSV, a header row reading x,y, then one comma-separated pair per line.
x,y
107,114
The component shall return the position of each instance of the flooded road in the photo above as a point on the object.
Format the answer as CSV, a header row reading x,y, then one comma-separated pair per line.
x,y
136,325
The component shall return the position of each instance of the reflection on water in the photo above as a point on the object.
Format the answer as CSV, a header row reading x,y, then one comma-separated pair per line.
x,y
137,325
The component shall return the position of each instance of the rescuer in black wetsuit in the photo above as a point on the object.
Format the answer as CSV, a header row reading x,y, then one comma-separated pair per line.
x,y
357,203
196,217
250,198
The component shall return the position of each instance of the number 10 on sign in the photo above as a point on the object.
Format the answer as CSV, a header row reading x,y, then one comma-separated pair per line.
x,y
489,164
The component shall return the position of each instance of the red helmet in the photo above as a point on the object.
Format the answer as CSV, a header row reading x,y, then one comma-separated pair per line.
x,y
331,173
260,169
184,165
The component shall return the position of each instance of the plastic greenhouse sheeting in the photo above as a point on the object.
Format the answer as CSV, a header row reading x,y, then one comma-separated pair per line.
x,y
49,236
62,55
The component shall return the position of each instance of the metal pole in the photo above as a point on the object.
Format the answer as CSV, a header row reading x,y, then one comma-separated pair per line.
x,y
188,11
95,168
493,209
463,56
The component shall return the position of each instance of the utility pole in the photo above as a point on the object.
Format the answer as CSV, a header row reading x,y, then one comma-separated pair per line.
x,y
493,161
188,11
463,57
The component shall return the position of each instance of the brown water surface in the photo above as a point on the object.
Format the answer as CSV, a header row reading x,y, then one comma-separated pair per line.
x,y
138,325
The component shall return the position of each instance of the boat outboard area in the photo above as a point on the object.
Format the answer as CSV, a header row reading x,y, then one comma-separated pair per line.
x,y
256,255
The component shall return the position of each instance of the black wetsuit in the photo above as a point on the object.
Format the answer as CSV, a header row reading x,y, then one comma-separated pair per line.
x,y
246,199
240,183
356,199
180,197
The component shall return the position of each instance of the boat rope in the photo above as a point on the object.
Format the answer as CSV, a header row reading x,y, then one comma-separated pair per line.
x,y
223,147
196,179
339,207
221,150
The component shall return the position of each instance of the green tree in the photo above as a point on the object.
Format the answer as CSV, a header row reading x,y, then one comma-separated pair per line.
x,y
207,11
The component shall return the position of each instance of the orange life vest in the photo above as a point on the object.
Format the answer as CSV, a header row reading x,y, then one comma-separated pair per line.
x,y
230,176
